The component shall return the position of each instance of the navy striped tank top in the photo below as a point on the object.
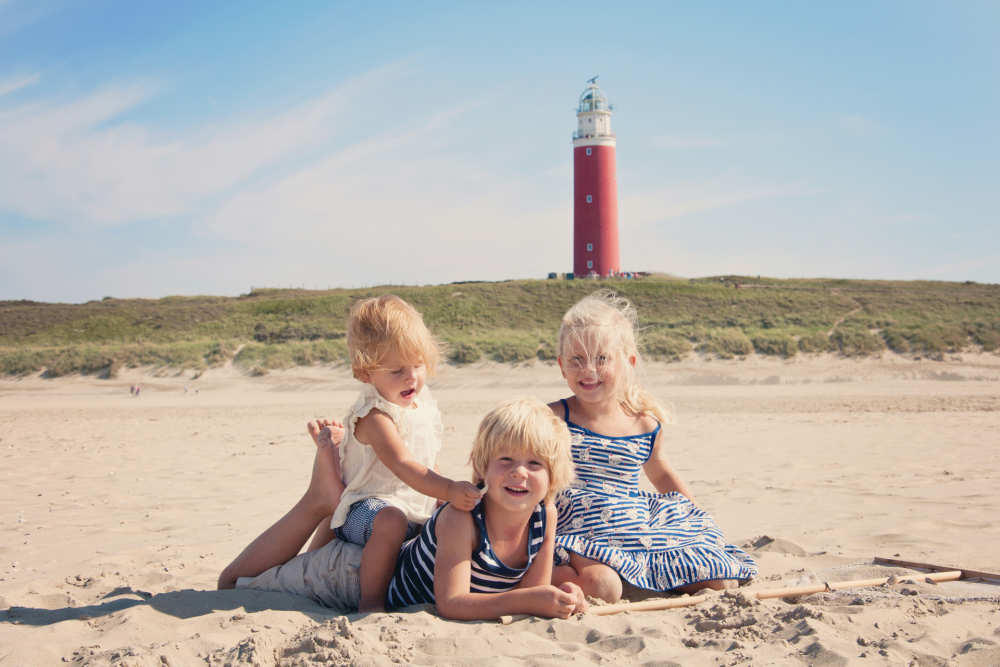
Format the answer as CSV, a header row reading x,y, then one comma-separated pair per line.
x,y
413,582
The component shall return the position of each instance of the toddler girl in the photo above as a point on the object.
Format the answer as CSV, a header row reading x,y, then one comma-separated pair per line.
x,y
608,528
391,440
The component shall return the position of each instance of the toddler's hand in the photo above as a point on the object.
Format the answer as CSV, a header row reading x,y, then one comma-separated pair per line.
x,y
463,495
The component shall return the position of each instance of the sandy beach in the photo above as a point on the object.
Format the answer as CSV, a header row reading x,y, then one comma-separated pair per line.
x,y
118,513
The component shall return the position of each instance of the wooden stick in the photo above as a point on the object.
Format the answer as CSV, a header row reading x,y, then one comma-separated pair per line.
x,y
643,605
938,573
950,575
966,574
647,605
856,583
798,591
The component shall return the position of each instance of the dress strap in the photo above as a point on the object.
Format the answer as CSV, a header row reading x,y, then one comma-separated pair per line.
x,y
652,436
565,409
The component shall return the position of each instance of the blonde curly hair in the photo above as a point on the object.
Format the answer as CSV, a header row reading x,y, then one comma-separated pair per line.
x,y
379,326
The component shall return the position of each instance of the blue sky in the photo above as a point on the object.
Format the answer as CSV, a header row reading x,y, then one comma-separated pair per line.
x,y
149,149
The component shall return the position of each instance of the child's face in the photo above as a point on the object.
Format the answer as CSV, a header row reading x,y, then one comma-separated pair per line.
x,y
593,372
397,380
517,480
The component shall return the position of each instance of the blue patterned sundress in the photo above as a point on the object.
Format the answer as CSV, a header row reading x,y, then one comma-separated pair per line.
x,y
655,541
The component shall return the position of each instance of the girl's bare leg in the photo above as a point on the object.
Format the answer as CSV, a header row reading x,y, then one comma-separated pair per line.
x,y
594,577
378,559
283,540
691,589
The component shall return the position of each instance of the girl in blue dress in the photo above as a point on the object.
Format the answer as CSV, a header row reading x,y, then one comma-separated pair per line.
x,y
609,530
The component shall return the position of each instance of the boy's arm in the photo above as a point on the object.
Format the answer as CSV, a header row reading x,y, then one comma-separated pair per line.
x,y
379,432
456,539
540,572
660,473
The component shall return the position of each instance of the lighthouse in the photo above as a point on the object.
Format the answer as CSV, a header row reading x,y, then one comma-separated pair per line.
x,y
595,188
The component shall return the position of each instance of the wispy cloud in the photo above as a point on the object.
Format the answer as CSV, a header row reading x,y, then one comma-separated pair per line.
x,y
71,163
396,205
282,200
15,83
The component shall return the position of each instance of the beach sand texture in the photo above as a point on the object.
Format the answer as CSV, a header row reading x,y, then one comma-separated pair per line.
x,y
118,513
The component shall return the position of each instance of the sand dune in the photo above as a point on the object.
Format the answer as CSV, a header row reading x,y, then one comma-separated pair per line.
x,y
118,513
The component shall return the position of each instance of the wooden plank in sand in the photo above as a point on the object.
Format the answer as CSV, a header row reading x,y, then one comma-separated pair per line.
x,y
951,575
966,574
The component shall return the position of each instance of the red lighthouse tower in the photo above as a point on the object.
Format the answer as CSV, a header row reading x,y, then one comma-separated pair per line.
x,y
595,188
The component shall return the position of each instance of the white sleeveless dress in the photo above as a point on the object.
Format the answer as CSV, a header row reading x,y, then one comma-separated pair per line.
x,y
367,477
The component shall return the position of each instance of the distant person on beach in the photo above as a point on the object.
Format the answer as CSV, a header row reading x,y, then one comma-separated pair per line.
x,y
492,561
378,486
609,530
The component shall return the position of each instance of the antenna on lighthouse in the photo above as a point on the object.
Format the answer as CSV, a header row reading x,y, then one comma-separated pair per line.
x,y
593,79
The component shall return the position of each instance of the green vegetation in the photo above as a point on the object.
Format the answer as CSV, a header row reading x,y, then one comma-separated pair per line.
x,y
507,322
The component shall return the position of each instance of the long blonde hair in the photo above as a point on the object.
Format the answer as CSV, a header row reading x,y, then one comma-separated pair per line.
x,y
607,321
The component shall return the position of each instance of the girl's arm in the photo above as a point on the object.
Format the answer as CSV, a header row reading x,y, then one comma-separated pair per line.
x,y
379,432
456,539
660,473
540,572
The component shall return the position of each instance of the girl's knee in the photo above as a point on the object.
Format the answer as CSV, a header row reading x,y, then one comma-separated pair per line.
x,y
600,581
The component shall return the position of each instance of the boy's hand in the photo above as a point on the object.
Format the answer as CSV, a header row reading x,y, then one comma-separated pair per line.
x,y
326,432
463,495
557,602
577,592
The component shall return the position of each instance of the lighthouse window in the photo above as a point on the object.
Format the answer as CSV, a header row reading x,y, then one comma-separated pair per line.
x,y
589,150
590,263
590,199
590,247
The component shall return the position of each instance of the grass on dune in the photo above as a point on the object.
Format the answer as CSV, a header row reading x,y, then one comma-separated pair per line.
x,y
506,322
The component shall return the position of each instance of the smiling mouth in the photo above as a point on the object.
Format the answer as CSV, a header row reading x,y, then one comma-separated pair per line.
x,y
516,492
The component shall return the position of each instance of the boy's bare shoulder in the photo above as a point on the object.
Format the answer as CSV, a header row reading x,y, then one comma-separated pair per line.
x,y
455,524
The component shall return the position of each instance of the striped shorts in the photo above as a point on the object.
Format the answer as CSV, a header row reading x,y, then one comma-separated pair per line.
x,y
357,528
